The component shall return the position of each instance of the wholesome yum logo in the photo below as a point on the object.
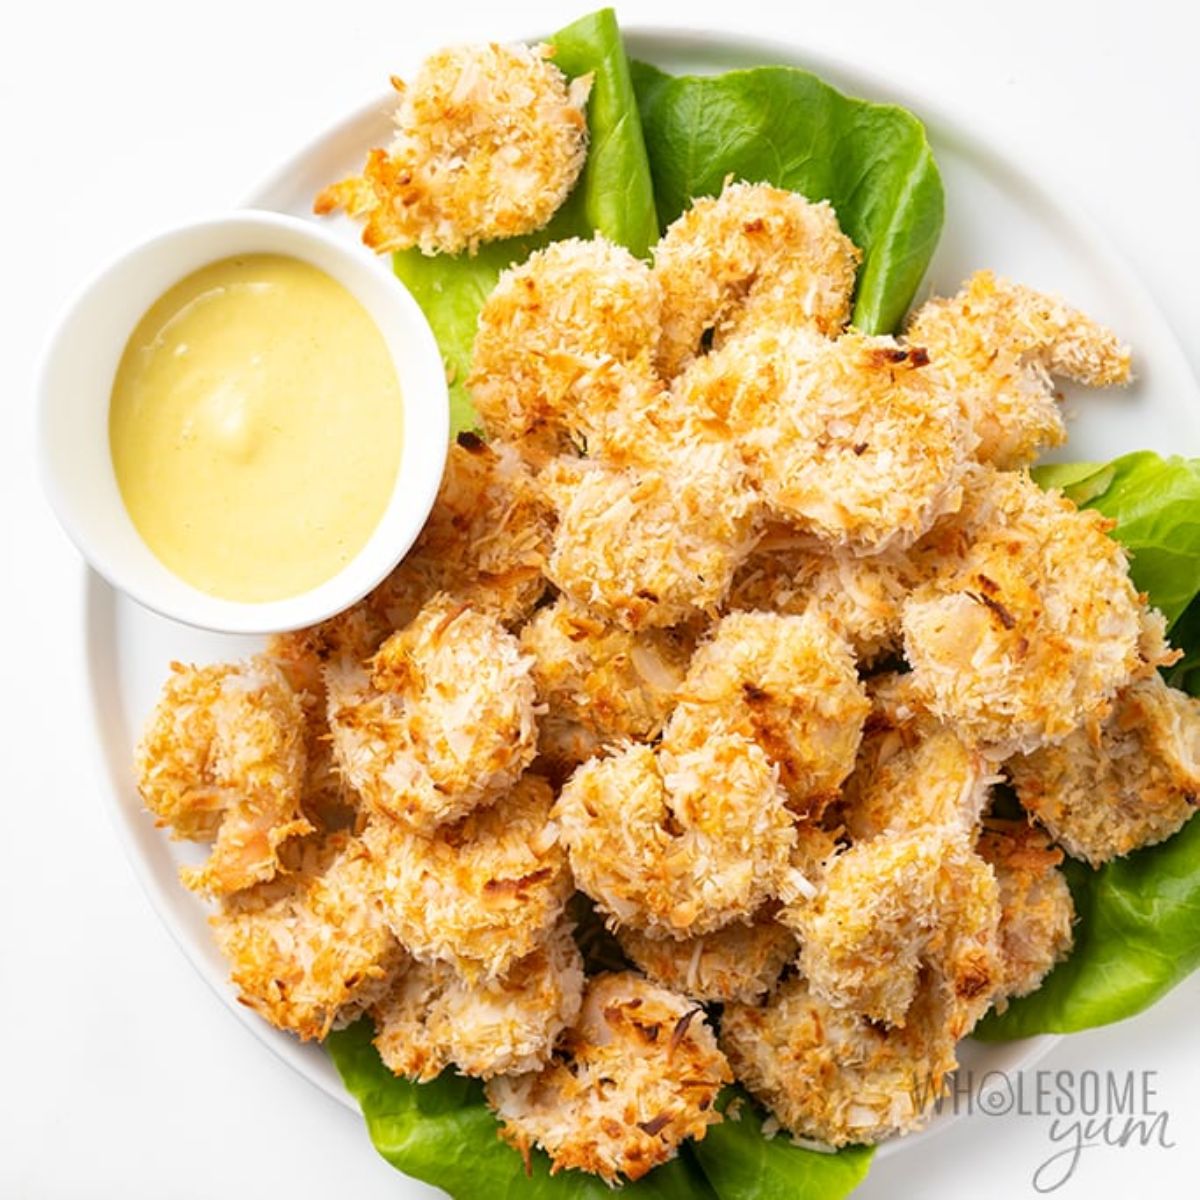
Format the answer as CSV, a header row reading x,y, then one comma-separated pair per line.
x,y
1087,1109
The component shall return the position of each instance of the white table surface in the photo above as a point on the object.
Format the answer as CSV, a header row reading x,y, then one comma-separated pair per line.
x,y
121,1074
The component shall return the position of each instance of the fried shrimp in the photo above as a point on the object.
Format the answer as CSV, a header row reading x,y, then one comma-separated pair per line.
x,y
1133,784
431,1019
479,894
222,759
443,722
787,683
895,905
1030,632
565,340
613,683
638,1074
1036,911
678,844
754,255
738,962
997,344
829,1074
489,141
310,950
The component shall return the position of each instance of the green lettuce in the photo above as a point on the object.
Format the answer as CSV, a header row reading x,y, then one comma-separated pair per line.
x,y
784,126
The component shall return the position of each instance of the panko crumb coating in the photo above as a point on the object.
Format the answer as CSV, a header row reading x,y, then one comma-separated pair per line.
x,y
1036,910
788,683
678,844
742,961
833,1076
431,1019
895,906
310,950
636,1076
1134,782
997,344
479,894
754,255
489,142
222,759
442,722
565,343
1031,630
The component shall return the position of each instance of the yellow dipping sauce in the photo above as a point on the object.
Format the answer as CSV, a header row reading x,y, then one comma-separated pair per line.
x,y
255,427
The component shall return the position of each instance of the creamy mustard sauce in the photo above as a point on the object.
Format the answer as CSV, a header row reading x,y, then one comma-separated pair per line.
x,y
255,427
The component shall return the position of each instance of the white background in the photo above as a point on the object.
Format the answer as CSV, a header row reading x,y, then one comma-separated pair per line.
x,y
121,1074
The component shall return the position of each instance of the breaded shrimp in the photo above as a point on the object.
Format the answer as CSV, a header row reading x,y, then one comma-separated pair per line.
x,y
442,723
831,1075
678,844
738,962
430,1019
616,684
478,894
565,340
997,344
754,255
1036,910
896,904
1030,631
310,950
787,683
222,759
639,1074
1133,783
489,141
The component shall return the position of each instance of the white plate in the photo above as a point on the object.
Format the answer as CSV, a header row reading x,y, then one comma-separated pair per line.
x,y
996,216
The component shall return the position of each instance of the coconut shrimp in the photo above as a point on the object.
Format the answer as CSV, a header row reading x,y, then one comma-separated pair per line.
x,y
565,341
310,950
1133,784
1036,910
998,344
738,962
638,1075
489,141
479,894
442,722
1033,628
829,1075
678,844
222,759
431,1019
754,255
787,683
889,908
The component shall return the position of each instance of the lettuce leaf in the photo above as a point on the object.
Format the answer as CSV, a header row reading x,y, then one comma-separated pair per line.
x,y
784,126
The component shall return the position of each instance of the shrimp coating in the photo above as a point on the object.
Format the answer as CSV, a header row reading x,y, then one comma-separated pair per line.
x,y
1133,783
828,1074
739,962
310,950
892,906
1030,632
653,546
1036,910
678,844
787,683
489,141
997,344
431,1019
564,340
639,1074
442,723
755,255
222,759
